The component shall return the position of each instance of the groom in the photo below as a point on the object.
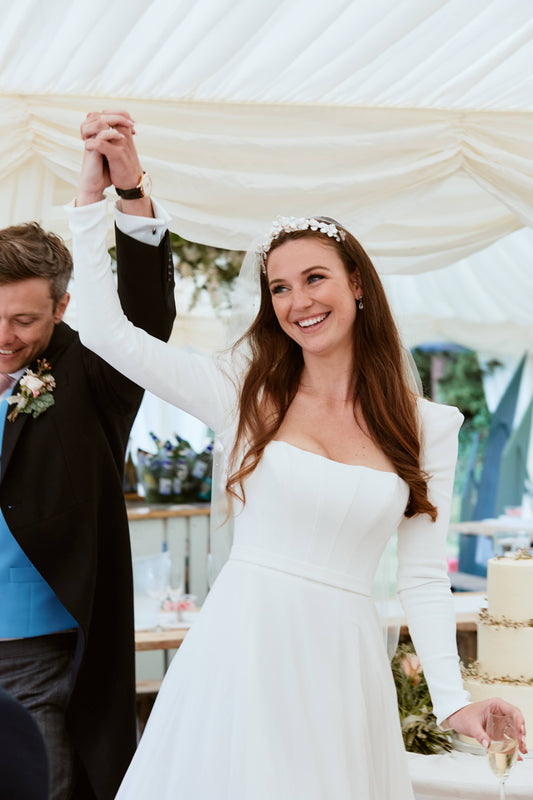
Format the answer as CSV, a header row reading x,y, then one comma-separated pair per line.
x,y
66,617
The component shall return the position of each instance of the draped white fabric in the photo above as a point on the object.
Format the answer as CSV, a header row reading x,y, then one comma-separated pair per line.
x,y
483,302
410,121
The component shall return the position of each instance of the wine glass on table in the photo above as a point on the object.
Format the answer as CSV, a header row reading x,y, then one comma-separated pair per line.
x,y
503,748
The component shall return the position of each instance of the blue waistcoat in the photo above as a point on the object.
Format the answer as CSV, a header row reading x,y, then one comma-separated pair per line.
x,y
28,606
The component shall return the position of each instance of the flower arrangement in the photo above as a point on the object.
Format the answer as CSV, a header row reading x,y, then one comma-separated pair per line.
x,y
35,394
420,731
211,269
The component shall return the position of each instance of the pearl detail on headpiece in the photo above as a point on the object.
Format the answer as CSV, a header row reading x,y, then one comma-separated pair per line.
x,y
291,224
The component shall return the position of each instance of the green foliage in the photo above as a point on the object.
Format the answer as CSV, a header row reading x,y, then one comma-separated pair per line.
x,y
459,383
422,360
212,269
40,404
422,735
420,731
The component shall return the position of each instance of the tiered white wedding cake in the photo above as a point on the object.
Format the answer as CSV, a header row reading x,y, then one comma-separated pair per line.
x,y
504,667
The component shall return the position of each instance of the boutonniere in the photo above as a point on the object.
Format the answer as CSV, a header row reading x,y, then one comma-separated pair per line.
x,y
35,394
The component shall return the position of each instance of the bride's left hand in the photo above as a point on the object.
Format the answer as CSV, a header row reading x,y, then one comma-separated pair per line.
x,y
471,720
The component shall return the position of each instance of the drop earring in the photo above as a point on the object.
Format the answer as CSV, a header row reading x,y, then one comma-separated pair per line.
x,y
361,303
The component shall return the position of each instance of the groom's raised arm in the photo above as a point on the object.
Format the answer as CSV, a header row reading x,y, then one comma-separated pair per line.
x,y
144,260
146,283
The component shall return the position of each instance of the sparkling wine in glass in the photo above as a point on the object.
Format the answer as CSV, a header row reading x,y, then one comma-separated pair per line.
x,y
503,748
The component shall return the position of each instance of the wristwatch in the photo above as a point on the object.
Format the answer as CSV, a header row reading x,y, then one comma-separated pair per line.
x,y
143,189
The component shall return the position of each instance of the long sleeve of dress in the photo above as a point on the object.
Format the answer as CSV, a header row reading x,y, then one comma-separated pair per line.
x,y
190,381
423,583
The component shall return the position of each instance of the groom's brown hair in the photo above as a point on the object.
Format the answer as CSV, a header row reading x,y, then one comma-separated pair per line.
x,y
28,251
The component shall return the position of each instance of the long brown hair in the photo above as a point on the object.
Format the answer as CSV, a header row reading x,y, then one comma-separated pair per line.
x,y
381,390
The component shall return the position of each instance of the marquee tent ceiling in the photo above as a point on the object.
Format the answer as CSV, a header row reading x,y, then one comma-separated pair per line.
x,y
483,302
409,120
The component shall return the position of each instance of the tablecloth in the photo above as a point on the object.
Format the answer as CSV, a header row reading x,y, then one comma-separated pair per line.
x,y
463,776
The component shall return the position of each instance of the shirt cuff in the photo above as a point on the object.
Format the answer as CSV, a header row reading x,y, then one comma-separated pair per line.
x,y
89,213
148,230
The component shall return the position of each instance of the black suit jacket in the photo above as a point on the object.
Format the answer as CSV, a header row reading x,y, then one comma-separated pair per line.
x,y
61,495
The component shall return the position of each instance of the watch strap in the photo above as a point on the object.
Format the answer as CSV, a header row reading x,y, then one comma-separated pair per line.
x,y
132,194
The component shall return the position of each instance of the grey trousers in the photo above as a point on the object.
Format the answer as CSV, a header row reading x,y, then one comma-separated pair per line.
x,y
38,672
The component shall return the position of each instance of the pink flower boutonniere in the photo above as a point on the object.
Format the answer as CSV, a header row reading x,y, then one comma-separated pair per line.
x,y
35,394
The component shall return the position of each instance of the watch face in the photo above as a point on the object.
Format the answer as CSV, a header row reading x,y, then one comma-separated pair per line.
x,y
146,183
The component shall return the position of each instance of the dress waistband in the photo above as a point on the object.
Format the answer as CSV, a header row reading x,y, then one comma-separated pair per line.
x,y
300,569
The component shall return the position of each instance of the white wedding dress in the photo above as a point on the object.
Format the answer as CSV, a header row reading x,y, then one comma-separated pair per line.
x,y
282,689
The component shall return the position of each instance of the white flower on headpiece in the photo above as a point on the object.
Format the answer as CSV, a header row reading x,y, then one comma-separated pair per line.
x,y
292,224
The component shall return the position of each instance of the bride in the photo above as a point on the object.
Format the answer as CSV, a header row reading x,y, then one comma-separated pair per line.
x,y
282,689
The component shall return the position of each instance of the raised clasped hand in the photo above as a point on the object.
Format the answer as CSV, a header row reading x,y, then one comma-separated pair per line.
x,y
472,720
109,156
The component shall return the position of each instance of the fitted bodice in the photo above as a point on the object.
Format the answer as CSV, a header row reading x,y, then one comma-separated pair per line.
x,y
321,516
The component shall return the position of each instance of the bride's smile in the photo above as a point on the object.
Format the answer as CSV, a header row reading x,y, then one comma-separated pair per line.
x,y
313,297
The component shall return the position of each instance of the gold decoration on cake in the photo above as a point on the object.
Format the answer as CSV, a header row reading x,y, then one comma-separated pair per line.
x,y
502,622
504,667
522,554
472,671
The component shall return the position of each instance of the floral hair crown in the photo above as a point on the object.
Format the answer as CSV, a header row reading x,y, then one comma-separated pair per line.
x,y
292,224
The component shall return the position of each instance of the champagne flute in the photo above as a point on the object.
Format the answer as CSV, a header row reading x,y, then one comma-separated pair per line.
x,y
503,748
